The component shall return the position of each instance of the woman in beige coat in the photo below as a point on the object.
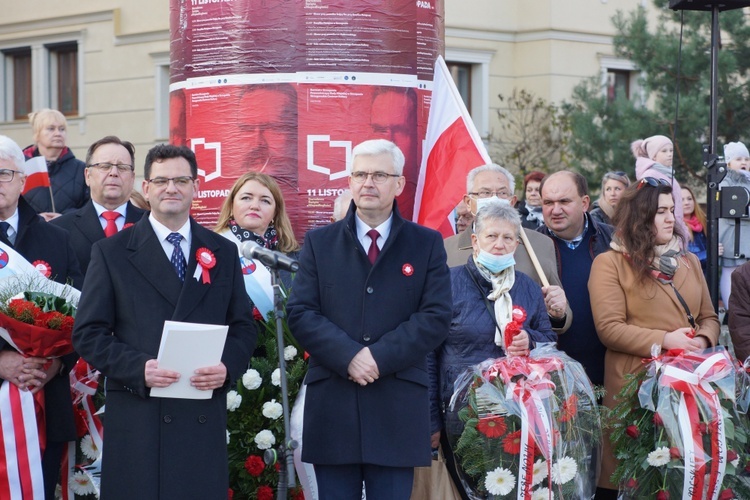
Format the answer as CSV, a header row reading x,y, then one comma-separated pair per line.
x,y
635,290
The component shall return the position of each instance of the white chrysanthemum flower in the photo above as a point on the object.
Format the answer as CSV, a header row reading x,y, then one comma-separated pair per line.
x,y
89,448
272,409
658,457
227,436
234,400
290,352
540,472
735,462
542,494
265,439
499,481
565,470
276,377
81,484
251,379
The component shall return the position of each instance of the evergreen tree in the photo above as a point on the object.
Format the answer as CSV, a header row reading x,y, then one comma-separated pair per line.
x,y
602,131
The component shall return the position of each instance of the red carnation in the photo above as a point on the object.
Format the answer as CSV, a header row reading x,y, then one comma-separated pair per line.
x,y
512,443
662,495
264,493
632,483
731,455
230,494
254,465
492,427
674,453
569,408
726,494
633,431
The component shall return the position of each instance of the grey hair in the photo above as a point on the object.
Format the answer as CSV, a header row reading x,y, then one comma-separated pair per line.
x,y
10,151
613,176
497,211
346,194
490,167
375,147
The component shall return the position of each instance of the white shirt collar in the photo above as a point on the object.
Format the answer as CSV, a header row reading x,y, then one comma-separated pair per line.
x,y
383,229
163,231
100,209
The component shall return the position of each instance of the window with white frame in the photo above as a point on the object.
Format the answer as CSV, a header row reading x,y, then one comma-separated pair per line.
x,y
619,77
161,106
39,74
471,73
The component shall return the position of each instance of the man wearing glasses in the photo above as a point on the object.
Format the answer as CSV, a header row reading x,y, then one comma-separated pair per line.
x,y
109,176
371,300
48,248
137,279
493,183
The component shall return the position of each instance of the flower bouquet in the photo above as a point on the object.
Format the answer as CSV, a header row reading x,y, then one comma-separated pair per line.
x,y
526,427
255,415
678,431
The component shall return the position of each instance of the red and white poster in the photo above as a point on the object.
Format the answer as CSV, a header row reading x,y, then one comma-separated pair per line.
x,y
289,87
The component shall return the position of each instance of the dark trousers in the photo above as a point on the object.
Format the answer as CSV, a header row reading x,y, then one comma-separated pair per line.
x,y
344,482
51,461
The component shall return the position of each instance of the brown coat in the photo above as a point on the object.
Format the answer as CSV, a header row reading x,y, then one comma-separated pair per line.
x,y
739,311
631,316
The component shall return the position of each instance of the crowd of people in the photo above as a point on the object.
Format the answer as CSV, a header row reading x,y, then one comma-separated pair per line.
x,y
389,312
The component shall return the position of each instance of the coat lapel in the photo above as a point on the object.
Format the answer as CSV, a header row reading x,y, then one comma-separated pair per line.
x,y
194,290
88,223
149,259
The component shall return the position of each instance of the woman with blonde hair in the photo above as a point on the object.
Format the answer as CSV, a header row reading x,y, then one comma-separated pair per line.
x,y
68,191
255,211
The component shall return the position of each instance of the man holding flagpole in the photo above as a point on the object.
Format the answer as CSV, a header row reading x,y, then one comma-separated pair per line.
x,y
48,248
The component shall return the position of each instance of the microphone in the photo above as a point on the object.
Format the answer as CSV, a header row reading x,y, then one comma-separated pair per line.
x,y
271,258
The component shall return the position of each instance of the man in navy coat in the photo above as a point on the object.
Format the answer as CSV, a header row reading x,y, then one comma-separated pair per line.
x,y
368,307
110,176
163,448
48,248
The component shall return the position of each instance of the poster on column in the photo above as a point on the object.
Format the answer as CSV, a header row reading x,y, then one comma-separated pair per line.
x,y
333,74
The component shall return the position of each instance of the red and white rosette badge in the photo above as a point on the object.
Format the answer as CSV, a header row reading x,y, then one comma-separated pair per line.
x,y
43,267
205,261
518,316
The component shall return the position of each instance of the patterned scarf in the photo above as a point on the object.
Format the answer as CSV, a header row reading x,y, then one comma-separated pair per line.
x,y
269,240
501,282
535,214
666,258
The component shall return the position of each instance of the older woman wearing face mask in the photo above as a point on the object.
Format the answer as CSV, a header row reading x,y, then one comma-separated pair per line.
x,y
485,292
69,191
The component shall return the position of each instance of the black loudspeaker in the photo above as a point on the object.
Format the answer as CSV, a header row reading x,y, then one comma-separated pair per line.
x,y
708,4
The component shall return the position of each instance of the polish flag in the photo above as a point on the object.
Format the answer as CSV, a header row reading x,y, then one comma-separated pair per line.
x,y
452,148
36,173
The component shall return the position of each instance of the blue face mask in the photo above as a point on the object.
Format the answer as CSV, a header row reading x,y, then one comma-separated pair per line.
x,y
483,202
495,263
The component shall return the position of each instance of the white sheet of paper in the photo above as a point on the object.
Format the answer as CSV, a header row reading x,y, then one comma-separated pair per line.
x,y
184,348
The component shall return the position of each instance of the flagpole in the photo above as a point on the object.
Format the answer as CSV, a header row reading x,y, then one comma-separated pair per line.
x,y
534,259
52,198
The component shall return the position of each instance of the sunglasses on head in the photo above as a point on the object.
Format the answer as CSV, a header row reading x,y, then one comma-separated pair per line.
x,y
653,182
620,173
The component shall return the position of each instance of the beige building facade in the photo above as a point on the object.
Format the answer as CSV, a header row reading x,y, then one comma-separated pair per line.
x,y
105,63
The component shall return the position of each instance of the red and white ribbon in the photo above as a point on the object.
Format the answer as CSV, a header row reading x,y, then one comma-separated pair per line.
x,y
21,464
694,386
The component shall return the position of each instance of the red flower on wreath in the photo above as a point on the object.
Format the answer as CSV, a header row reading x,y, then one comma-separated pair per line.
x,y
632,483
731,455
492,427
657,419
230,494
264,493
298,494
569,408
254,465
633,431
674,453
662,495
726,494
512,443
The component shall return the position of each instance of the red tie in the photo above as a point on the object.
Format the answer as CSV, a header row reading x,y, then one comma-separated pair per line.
x,y
110,216
374,251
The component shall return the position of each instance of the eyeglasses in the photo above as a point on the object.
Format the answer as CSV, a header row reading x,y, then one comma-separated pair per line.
x,y
180,182
653,182
377,177
105,167
6,175
486,193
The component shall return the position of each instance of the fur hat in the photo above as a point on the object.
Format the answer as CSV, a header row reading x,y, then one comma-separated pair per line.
x,y
735,150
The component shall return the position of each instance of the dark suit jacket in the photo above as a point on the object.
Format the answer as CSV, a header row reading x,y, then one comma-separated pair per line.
x,y
400,308
85,229
37,240
175,447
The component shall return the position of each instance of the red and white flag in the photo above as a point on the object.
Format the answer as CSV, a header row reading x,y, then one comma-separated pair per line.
x,y
36,173
452,148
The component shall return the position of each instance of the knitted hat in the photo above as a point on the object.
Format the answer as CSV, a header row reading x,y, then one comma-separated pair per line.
x,y
735,150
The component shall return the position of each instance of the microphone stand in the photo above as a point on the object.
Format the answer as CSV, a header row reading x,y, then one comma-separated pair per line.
x,y
285,454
